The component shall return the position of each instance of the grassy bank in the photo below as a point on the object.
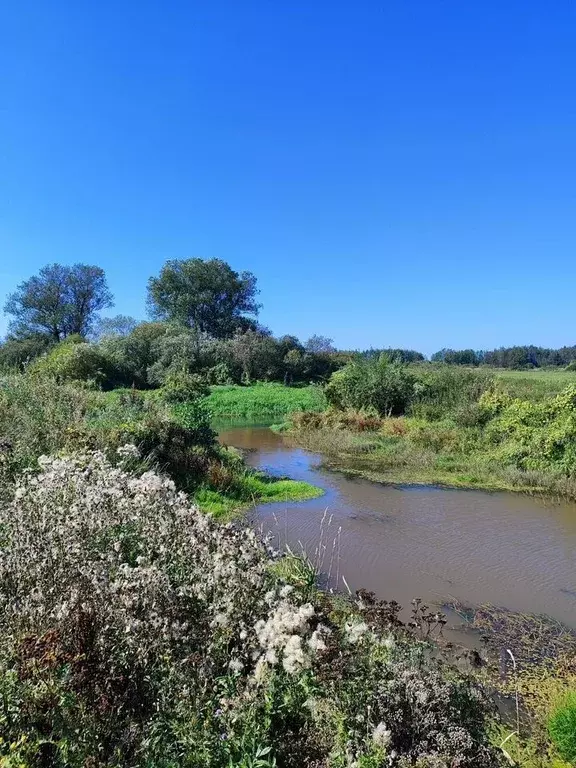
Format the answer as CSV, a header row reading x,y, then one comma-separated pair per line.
x,y
411,451
263,400
450,426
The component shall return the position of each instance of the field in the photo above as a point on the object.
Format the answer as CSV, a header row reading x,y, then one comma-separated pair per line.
x,y
536,384
263,400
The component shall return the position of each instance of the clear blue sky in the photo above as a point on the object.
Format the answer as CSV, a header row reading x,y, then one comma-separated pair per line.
x,y
395,173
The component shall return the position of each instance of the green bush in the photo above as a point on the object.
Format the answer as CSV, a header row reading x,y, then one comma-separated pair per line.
x,y
382,386
38,416
539,435
562,728
182,387
17,353
446,388
194,416
76,360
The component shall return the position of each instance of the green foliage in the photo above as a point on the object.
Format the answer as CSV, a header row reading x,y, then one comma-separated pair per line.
x,y
383,386
38,416
59,301
539,436
136,353
194,417
562,727
76,360
264,400
457,357
206,296
444,388
17,353
182,387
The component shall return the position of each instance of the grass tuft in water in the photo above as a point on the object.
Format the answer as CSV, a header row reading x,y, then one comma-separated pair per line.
x,y
253,488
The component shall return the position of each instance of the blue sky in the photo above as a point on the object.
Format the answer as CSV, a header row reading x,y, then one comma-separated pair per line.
x,y
395,173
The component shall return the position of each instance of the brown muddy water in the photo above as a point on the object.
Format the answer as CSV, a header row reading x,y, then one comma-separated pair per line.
x,y
403,542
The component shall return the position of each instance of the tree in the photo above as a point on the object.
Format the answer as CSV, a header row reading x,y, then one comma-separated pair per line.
x,y
206,296
119,325
317,344
138,351
257,356
59,301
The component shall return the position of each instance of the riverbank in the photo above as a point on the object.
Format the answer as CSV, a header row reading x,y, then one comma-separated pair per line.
x,y
407,450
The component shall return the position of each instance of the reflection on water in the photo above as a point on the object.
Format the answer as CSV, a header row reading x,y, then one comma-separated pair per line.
x,y
434,543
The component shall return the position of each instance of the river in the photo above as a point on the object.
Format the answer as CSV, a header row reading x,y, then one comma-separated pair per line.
x,y
403,542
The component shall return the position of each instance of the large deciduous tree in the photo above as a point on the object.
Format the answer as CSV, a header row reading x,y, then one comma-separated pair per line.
x,y
207,296
59,301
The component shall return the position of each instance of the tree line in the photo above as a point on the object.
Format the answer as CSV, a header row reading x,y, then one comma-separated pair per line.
x,y
203,320
518,357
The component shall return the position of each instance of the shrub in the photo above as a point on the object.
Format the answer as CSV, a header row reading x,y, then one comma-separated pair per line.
x,y
562,728
218,374
17,353
75,360
537,436
194,416
471,415
182,387
449,387
37,416
380,385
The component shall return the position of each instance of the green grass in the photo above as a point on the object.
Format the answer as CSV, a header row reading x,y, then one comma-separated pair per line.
x,y
536,384
264,400
251,489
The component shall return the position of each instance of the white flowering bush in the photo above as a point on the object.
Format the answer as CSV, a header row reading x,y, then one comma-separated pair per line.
x,y
134,631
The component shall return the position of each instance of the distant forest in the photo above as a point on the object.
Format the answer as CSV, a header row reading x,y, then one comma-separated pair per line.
x,y
508,357
505,357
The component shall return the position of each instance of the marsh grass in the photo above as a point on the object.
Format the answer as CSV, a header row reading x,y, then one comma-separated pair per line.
x,y
530,661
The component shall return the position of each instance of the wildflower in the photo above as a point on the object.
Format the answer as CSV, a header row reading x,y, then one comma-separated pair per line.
x,y
354,632
381,736
389,642
128,451
236,665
